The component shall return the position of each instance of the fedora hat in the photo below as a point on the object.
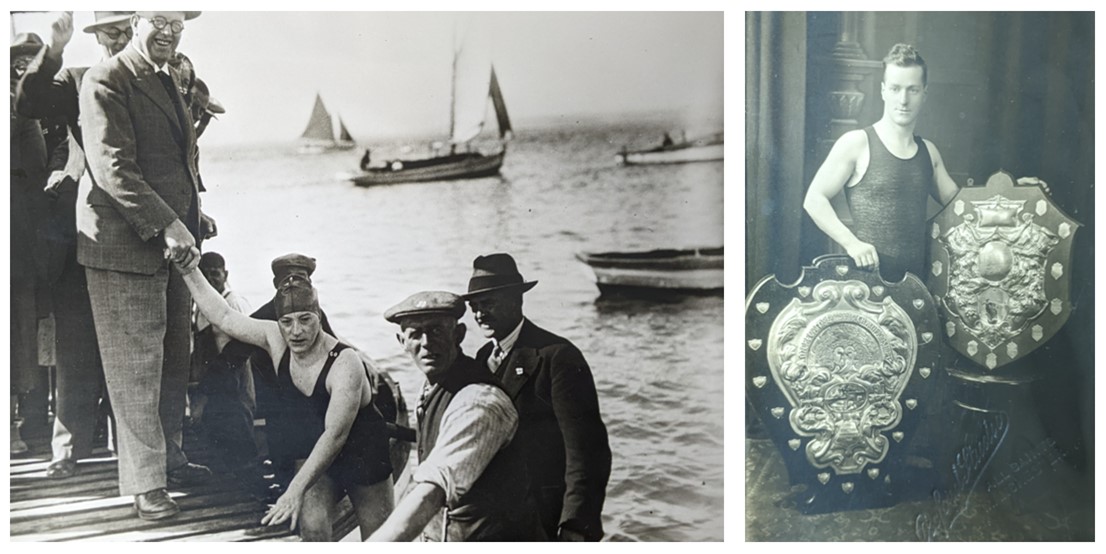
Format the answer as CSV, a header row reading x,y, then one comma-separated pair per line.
x,y
26,44
107,18
214,107
495,272
187,15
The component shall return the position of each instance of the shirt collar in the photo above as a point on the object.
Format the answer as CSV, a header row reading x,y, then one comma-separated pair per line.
x,y
508,342
163,67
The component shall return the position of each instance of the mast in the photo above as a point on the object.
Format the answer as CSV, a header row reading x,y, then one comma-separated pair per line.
x,y
453,87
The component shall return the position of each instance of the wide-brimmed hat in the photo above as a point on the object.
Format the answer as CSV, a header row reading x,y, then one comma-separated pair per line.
x,y
495,272
214,107
107,18
187,15
26,44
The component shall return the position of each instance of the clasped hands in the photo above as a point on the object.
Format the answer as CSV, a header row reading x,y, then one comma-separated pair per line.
x,y
180,247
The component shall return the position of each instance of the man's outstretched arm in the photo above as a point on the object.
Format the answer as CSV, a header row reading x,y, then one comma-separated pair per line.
x,y
412,514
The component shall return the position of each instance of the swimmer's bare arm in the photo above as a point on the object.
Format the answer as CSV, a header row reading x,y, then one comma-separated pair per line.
x,y
265,334
830,180
944,187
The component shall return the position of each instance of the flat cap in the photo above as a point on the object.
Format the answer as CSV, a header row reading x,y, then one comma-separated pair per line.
x,y
427,302
283,263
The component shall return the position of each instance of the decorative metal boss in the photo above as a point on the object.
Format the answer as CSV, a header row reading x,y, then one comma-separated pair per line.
x,y
839,367
1000,270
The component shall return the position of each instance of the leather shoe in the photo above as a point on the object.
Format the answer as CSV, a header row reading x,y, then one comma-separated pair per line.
x,y
188,475
155,504
61,469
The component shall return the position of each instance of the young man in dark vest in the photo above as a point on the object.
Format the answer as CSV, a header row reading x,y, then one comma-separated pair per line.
x,y
887,173
471,483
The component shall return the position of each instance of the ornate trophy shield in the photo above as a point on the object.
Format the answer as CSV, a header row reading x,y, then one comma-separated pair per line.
x,y
839,367
1000,270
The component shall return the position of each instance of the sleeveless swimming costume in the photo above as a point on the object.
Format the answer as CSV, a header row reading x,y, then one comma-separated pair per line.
x,y
365,457
889,207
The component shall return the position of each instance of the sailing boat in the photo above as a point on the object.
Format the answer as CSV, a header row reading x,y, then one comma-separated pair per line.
x,y
318,137
474,81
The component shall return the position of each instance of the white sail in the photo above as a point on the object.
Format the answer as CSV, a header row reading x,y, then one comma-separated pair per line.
x,y
319,127
472,74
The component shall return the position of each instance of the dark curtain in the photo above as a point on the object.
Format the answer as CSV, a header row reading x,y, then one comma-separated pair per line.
x,y
775,100
1042,120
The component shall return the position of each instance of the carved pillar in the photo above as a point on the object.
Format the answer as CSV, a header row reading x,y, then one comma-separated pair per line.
x,y
843,71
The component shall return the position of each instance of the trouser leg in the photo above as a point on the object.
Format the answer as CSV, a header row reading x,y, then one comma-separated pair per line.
x,y
175,369
130,318
228,418
80,373
24,335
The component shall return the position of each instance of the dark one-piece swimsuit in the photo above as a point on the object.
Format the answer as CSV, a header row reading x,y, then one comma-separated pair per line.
x,y
364,458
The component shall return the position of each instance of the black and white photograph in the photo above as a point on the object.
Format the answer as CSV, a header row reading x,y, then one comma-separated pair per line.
x,y
458,275
919,276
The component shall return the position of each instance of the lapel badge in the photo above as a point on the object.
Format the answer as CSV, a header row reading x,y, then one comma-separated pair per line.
x,y
518,371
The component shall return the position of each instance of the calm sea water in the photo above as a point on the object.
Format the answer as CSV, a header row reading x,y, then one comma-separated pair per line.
x,y
658,365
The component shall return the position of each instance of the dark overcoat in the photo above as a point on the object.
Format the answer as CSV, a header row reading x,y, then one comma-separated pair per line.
x,y
561,432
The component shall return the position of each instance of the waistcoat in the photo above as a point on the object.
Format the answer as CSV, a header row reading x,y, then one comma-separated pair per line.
x,y
498,507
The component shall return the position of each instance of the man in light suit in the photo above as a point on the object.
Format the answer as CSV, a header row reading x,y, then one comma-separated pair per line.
x,y
140,211
561,431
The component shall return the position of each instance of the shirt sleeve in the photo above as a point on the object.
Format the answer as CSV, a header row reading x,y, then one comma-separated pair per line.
x,y
477,424
238,302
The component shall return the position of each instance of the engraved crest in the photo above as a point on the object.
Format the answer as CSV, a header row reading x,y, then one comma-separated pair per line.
x,y
841,352
760,381
842,361
1003,267
873,473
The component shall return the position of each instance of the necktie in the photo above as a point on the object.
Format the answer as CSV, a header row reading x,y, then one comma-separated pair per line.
x,y
171,90
496,358
420,410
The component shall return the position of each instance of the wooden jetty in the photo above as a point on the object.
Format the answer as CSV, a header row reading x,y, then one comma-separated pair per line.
x,y
87,506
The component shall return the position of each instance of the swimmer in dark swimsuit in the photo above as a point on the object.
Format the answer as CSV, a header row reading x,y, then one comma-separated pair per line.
x,y
329,384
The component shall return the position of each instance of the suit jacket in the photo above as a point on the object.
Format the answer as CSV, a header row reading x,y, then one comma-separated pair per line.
x,y
28,174
561,432
45,90
140,151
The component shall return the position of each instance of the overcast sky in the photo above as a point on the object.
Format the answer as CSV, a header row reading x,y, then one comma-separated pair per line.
x,y
387,73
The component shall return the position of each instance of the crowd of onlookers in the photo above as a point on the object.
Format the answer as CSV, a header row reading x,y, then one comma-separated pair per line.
x,y
107,236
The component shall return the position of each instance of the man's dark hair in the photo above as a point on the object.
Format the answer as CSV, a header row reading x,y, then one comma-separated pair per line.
x,y
211,260
904,55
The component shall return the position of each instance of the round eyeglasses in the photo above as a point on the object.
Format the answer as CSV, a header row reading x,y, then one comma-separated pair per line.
x,y
159,23
114,32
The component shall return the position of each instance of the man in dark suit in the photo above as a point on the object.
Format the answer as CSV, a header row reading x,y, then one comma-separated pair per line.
x,y
46,91
141,211
561,431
